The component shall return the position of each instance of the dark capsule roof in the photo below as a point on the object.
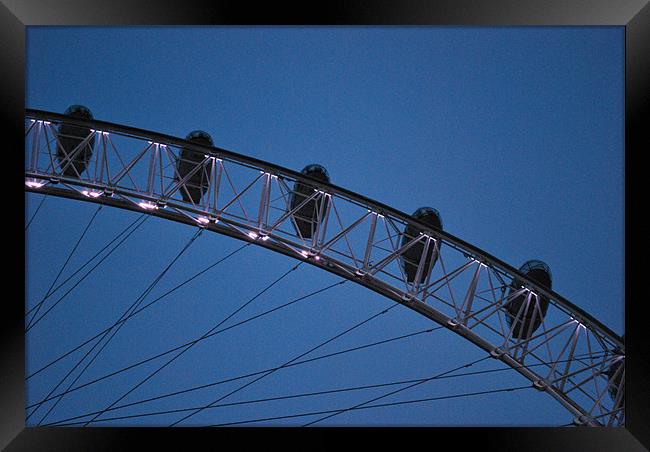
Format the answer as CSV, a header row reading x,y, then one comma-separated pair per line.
x,y
531,265
79,111
199,135
423,212
314,169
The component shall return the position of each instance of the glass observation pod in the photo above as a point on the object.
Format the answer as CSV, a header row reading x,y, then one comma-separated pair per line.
x,y
306,217
197,183
73,158
527,310
412,257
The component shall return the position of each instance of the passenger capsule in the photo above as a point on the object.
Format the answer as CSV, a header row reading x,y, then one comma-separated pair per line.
x,y
306,218
187,161
72,157
527,310
411,258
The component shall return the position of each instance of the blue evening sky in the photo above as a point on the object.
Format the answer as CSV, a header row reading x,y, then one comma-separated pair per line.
x,y
514,134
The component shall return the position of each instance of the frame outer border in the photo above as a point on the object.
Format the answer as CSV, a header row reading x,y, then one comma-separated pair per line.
x,y
634,15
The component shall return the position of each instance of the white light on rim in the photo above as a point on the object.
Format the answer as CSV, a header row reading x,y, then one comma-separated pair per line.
x,y
253,235
203,220
304,253
265,238
578,322
34,183
147,205
91,194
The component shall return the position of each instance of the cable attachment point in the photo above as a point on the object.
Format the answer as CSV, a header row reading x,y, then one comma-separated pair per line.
x,y
540,385
497,353
580,421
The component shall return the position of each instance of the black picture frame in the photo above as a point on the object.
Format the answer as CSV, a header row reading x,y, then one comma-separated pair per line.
x,y
634,15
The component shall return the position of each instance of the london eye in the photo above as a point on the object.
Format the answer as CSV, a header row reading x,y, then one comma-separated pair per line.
x,y
509,314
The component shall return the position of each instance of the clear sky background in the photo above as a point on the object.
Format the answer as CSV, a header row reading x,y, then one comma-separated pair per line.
x,y
514,134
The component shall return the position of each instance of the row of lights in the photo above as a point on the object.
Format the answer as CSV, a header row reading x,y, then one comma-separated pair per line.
x,y
146,205
264,237
47,123
38,183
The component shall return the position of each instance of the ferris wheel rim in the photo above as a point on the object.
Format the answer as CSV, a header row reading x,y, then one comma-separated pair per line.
x,y
574,309
419,307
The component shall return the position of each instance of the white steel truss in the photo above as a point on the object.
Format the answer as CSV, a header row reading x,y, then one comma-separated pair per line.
x,y
570,355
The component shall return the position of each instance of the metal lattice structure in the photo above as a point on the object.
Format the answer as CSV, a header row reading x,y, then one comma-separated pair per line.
x,y
571,356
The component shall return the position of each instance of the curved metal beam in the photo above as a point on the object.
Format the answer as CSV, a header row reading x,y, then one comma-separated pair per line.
x,y
244,229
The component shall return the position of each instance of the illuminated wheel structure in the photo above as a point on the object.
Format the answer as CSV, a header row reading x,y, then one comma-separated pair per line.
x,y
561,349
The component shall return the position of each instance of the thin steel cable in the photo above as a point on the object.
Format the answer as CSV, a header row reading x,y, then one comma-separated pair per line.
x,y
65,264
293,396
269,286
37,209
169,292
86,263
35,322
379,405
132,307
396,391
285,364
64,422
125,237
192,342
334,412
250,374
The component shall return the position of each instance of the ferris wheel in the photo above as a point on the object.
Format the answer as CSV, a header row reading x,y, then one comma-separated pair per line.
x,y
510,314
